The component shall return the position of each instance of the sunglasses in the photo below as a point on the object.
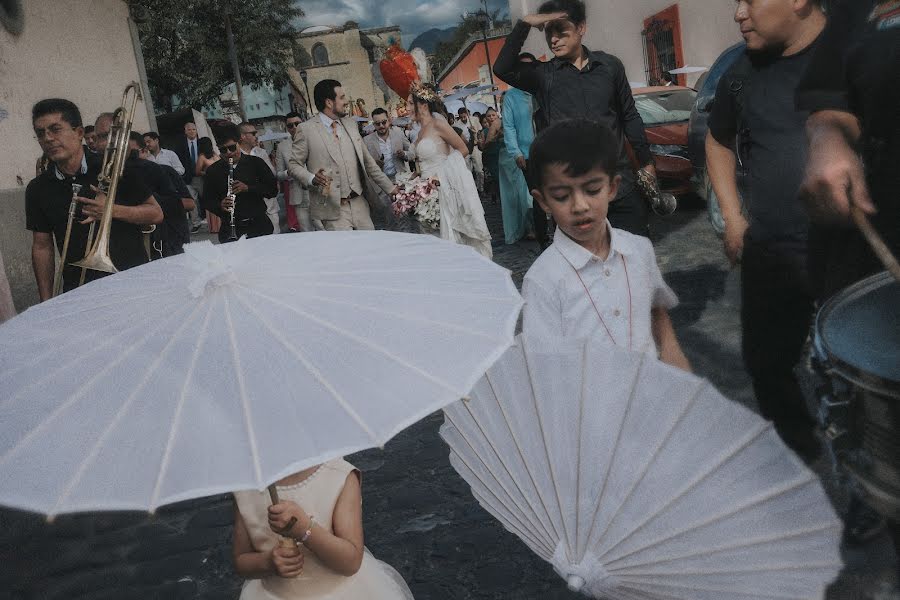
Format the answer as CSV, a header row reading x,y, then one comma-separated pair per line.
x,y
291,125
380,123
251,132
228,148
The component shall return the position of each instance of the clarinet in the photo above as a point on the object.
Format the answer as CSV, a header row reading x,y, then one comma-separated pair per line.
x,y
231,196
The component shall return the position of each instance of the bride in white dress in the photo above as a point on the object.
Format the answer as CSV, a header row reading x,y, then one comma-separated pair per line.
x,y
441,154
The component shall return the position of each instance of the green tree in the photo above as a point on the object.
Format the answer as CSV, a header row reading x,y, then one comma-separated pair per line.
x,y
186,50
469,24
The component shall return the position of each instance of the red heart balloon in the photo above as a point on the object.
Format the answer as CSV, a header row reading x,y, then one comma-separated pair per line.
x,y
399,70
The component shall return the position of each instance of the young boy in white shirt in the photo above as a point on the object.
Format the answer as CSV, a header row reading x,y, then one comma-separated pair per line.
x,y
593,279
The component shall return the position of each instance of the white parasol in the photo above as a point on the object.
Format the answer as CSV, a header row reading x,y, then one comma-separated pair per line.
x,y
688,70
472,107
639,481
271,136
466,92
230,367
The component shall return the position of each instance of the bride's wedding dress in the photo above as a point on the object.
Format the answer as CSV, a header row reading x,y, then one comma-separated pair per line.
x,y
462,216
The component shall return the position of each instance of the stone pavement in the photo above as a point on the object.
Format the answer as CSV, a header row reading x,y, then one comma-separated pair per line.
x,y
419,515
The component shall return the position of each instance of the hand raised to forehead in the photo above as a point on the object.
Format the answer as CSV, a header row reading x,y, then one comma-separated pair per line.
x,y
540,21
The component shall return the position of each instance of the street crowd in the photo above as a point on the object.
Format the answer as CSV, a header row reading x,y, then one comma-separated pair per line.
x,y
804,131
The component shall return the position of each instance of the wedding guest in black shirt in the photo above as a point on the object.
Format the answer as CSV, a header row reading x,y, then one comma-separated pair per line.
x,y
580,83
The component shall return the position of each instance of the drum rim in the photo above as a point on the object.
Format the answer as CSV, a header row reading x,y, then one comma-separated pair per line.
x,y
853,374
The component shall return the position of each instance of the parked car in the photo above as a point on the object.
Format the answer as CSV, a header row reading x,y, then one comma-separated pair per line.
x,y
666,112
706,94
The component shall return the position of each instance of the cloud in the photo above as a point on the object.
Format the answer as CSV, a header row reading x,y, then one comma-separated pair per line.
x,y
380,13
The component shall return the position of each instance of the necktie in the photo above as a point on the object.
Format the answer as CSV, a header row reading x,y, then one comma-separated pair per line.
x,y
194,151
334,129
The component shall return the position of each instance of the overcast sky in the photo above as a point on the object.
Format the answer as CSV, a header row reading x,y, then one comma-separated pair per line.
x,y
413,16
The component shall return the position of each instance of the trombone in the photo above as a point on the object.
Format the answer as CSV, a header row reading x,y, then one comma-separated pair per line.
x,y
97,256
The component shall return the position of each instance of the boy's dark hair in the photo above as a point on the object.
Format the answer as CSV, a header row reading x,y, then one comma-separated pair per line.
x,y
579,145
325,90
88,129
66,109
152,135
136,137
228,132
379,111
462,111
574,8
291,115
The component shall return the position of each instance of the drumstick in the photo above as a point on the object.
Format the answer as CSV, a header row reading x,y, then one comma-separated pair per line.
x,y
877,244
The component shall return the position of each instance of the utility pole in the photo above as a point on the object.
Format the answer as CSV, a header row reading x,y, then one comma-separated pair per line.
x,y
232,56
485,18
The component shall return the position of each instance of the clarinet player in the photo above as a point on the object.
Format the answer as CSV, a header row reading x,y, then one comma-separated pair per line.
x,y
252,183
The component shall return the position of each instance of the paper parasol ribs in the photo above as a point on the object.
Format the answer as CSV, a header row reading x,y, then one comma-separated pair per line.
x,y
638,481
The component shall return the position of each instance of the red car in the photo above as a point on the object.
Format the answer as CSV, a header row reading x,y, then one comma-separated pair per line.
x,y
666,112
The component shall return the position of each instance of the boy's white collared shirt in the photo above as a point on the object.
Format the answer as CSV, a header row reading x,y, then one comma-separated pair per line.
x,y
556,303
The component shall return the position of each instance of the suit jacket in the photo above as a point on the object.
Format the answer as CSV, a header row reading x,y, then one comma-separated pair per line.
x,y
315,148
399,141
184,155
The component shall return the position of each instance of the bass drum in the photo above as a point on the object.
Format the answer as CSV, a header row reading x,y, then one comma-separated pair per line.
x,y
857,350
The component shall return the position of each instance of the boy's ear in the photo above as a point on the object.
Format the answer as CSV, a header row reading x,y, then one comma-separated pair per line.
x,y
614,186
539,198
581,28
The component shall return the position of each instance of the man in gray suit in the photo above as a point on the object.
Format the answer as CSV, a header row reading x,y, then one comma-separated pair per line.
x,y
392,151
330,159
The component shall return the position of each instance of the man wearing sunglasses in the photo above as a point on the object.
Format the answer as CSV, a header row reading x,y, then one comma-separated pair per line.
x,y
392,151
253,182
579,83
249,144
297,197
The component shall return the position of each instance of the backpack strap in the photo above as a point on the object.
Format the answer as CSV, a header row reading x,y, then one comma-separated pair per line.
x,y
739,79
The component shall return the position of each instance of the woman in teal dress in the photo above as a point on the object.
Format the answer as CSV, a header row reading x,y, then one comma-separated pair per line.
x,y
518,135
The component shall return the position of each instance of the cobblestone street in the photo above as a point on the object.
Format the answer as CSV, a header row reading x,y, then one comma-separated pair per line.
x,y
419,515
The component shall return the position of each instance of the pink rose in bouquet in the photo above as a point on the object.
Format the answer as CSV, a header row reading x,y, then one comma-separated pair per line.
x,y
418,197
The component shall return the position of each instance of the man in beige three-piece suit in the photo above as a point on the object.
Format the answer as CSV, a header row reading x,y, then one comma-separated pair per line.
x,y
330,159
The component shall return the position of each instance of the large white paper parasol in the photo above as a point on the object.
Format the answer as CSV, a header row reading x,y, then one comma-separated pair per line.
x,y
230,367
639,481
472,106
466,92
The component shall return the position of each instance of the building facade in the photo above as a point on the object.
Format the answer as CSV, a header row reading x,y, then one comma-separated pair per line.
x,y
474,62
650,36
347,54
52,49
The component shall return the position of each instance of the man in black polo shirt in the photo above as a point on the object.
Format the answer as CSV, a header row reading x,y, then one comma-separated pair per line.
x,y
58,127
754,122
253,182
578,83
170,236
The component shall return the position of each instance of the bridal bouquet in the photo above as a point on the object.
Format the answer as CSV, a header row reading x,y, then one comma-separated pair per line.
x,y
419,197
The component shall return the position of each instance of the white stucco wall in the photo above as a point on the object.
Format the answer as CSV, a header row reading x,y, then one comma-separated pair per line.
x,y
77,49
614,26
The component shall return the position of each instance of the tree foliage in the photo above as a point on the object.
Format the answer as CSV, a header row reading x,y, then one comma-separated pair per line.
x,y
469,24
186,49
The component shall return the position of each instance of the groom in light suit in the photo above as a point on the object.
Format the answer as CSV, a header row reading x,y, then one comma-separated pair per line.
x,y
330,159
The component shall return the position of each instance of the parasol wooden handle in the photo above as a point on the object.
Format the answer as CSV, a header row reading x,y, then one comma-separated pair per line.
x,y
877,244
284,542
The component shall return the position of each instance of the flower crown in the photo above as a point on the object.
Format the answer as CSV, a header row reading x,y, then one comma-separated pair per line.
x,y
423,91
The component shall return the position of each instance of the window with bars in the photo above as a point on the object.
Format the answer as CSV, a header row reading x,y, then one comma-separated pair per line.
x,y
662,46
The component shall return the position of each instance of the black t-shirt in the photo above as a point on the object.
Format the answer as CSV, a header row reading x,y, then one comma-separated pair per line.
x,y
47,200
857,69
168,188
772,141
250,205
